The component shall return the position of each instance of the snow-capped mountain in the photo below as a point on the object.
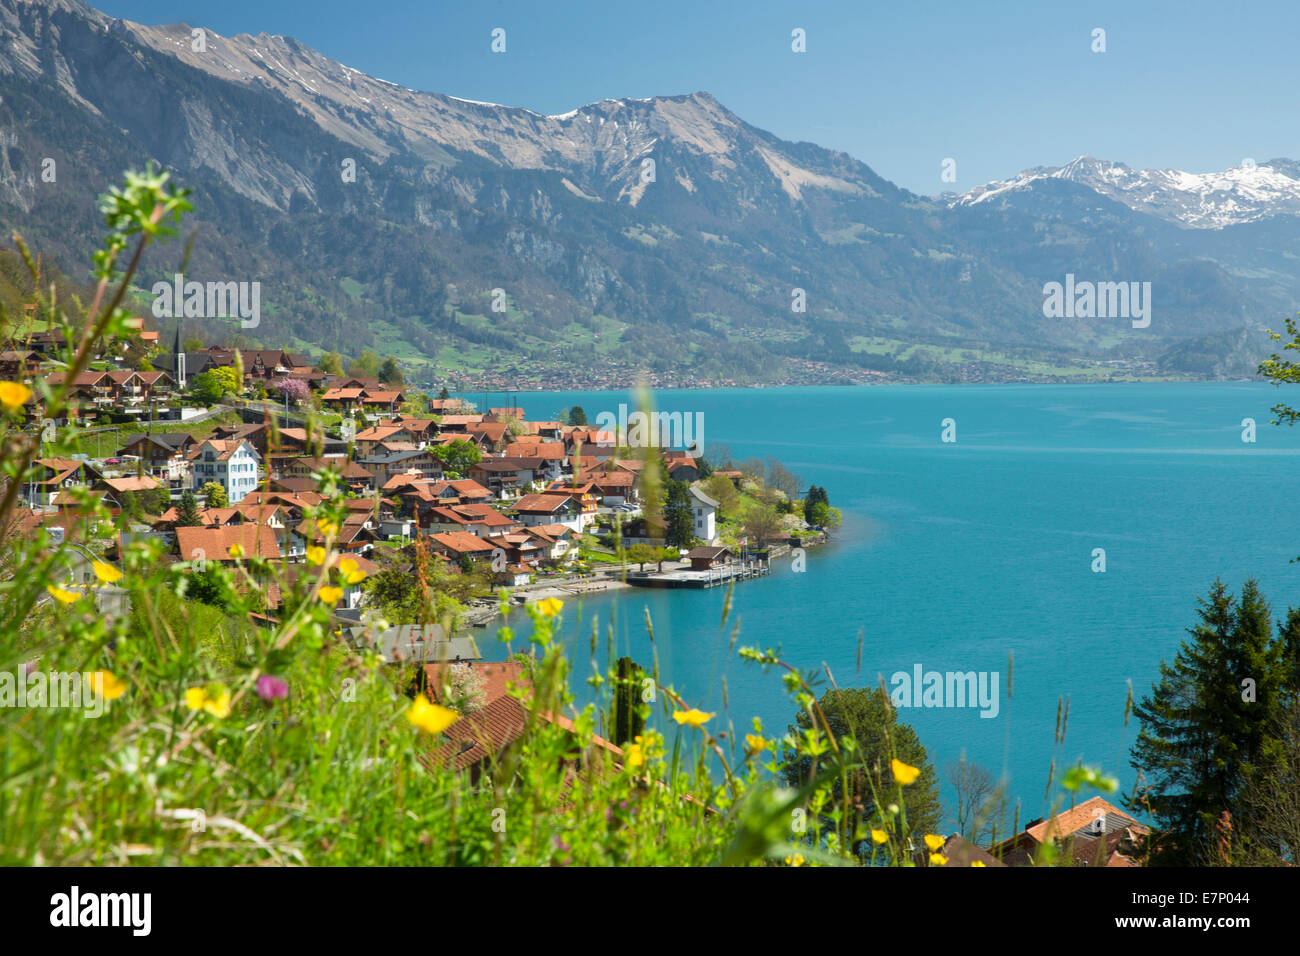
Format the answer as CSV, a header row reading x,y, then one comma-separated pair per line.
x,y
1245,193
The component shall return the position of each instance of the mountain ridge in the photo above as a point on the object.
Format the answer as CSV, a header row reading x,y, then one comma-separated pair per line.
x,y
663,235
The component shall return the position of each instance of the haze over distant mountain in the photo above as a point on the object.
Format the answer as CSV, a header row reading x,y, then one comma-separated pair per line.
x,y
664,233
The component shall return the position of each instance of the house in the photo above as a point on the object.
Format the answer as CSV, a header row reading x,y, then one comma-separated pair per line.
x,y
231,463
216,543
458,544
53,477
683,469
556,542
549,509
1093,833
19,363
704,512
706,557
116,489
386,465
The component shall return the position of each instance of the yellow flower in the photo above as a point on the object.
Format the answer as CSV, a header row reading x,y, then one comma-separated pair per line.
x,y
106,572
796,860
756,743
62,596
12,395
903,773
327,527
331,595
879,836
933,842
352,573
692,717
429,717
633,755
215,699
316,554
107,685
236,551
550,607
938,859
977,863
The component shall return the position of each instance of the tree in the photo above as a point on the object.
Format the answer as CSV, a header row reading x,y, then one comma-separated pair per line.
x,y
192,345
782,479
295,388
187,512
458,455
629,712
213,385
679,521
1208,725
416,404
641,554
718,454
367,366
979,800
389,373
666,554
721,490
443,394
331,363
215,494
760,523
577,416
867,717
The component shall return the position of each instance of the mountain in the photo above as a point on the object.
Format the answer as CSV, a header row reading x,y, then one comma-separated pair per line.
x,y
493,245
1246,193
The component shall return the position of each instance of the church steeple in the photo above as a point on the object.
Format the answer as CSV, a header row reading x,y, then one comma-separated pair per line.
x,y
180,358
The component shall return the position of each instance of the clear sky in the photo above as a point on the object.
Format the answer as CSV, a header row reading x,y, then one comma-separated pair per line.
x,y
997,85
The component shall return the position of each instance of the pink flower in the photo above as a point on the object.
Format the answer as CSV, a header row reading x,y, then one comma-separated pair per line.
x,y
271,688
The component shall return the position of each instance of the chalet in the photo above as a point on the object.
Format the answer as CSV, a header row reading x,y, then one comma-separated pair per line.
x,y
231,463
458,544
1093,833
117,490
19,363
683,469
384,466
53,476
549,509
216,543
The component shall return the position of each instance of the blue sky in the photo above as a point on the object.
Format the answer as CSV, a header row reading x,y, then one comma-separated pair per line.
x,y
999,85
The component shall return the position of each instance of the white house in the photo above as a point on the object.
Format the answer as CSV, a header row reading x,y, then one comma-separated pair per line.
x,y
704,512
231,463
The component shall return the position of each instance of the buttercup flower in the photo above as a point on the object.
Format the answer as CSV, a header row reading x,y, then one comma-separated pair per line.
x,y
214,698
633,755
756,743
331,595
271,688
903,773
351,571
61,595
429,717
879,836
13,394
327,527
692,717
933,842
550,607
316,554
236,551
107,685
106,572
977,863
796,860
938,859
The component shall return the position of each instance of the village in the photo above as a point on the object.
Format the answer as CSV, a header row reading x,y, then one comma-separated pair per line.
x,y
533,509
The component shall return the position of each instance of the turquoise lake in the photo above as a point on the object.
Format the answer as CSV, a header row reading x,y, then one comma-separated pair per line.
x,y
955,556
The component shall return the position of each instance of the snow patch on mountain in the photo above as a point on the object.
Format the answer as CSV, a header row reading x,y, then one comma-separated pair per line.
x,y
1245,193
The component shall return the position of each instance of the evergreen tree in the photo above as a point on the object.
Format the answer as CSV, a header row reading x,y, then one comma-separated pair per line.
x,y
188,511
679,523
866,715
389,373
1208,727
629,719
577,416
443,395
